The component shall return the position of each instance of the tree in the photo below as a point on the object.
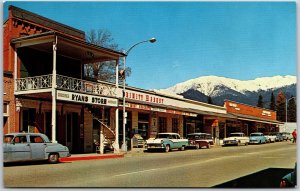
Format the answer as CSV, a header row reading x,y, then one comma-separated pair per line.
x,y
209,100
292,111
280,106
272,102
104,71
260,102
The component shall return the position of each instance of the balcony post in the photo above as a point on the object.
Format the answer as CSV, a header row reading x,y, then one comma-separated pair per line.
x,y
54,93
15,70
116,144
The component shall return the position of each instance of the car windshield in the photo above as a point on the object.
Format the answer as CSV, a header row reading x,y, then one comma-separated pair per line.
x,y
196,136
163,136
8,138
236,135
254,134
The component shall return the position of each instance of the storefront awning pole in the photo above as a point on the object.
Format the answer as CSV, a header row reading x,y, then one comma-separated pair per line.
x,y
54,93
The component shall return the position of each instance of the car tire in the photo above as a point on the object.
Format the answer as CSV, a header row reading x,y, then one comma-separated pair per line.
x,y
53,158
197,146
167,149
246,144
182,148
208,146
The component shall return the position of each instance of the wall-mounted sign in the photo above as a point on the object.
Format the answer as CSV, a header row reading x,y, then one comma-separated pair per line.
x,y
84,98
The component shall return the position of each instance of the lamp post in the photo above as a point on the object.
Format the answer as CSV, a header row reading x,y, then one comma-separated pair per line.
x,y
124,145
286,108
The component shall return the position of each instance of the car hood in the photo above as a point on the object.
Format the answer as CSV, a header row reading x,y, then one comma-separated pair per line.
x,y
231,138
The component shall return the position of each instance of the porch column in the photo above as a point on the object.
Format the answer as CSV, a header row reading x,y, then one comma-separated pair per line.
x,y
116,144
53,124
15,70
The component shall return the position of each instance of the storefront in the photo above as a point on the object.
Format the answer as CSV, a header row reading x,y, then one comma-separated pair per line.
x,y
249,119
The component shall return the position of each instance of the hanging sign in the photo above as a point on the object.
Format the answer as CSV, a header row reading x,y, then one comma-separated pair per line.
x,y
84,98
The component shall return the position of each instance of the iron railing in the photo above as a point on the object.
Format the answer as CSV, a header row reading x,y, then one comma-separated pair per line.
x,y
65,83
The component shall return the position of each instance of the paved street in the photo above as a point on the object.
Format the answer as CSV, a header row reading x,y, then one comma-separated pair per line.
x,y
190,168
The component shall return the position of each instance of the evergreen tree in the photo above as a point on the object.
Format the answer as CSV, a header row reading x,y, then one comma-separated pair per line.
x,y
280,106
292,110
272,102
209,100
260,102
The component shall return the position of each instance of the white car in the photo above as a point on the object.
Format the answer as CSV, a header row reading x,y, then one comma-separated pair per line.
x,y
166,142
236,139
270,138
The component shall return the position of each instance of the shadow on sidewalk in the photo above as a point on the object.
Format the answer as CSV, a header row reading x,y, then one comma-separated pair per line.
x,y
268,178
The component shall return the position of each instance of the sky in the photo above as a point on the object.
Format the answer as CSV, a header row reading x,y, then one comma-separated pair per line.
x,y
239,40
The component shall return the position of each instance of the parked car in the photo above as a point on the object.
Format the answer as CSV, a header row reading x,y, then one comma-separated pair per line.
x,y
199,140
278,136
257,138
166,142
31,147
236,139
287,136
289,180
270,137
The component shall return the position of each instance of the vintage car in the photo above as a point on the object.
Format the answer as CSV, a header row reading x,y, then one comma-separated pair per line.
x,y
199,140
278,135
271,138
287,136
166,142
31,147
257,138
289,180
236,139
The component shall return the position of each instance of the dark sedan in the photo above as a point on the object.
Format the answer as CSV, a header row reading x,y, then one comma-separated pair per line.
x,y
199,140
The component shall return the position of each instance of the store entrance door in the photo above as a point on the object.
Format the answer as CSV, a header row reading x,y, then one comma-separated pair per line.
x,y
73,132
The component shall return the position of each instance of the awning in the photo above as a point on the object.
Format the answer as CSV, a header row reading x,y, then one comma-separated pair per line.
x,y
256,119
67,46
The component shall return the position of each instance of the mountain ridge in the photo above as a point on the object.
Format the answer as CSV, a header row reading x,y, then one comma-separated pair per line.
x,y
244,91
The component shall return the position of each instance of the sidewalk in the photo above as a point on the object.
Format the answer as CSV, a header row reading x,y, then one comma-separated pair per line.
x,y
97,156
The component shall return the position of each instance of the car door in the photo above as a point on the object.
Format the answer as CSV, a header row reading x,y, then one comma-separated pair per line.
x,y
177,141
20,148
37,146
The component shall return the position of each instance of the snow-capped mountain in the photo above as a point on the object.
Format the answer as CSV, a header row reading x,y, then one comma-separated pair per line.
x,y
220,88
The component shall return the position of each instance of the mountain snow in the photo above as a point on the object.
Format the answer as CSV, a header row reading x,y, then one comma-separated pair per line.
x,y
214,85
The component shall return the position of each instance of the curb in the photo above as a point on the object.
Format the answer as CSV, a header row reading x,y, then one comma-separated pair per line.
x,y
94,157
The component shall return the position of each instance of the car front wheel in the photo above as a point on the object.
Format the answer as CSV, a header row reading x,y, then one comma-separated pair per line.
x,y
167,148
53,158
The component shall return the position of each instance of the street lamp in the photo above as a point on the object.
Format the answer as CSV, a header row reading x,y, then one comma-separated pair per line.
x,y
286,105
152,40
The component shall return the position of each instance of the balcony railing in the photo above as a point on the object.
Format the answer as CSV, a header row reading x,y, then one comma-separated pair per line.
x,y
65,83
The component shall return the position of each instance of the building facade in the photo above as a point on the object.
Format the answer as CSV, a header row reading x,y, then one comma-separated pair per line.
x,y
46,90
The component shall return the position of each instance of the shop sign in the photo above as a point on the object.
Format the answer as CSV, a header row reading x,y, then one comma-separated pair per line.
x,y
84,98
143,97
267,113
138,106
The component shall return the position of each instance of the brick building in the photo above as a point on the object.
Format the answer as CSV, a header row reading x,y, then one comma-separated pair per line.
x,y
45,90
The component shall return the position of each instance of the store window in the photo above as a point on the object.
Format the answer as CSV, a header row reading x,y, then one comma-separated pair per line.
x,y
162,122
175,125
